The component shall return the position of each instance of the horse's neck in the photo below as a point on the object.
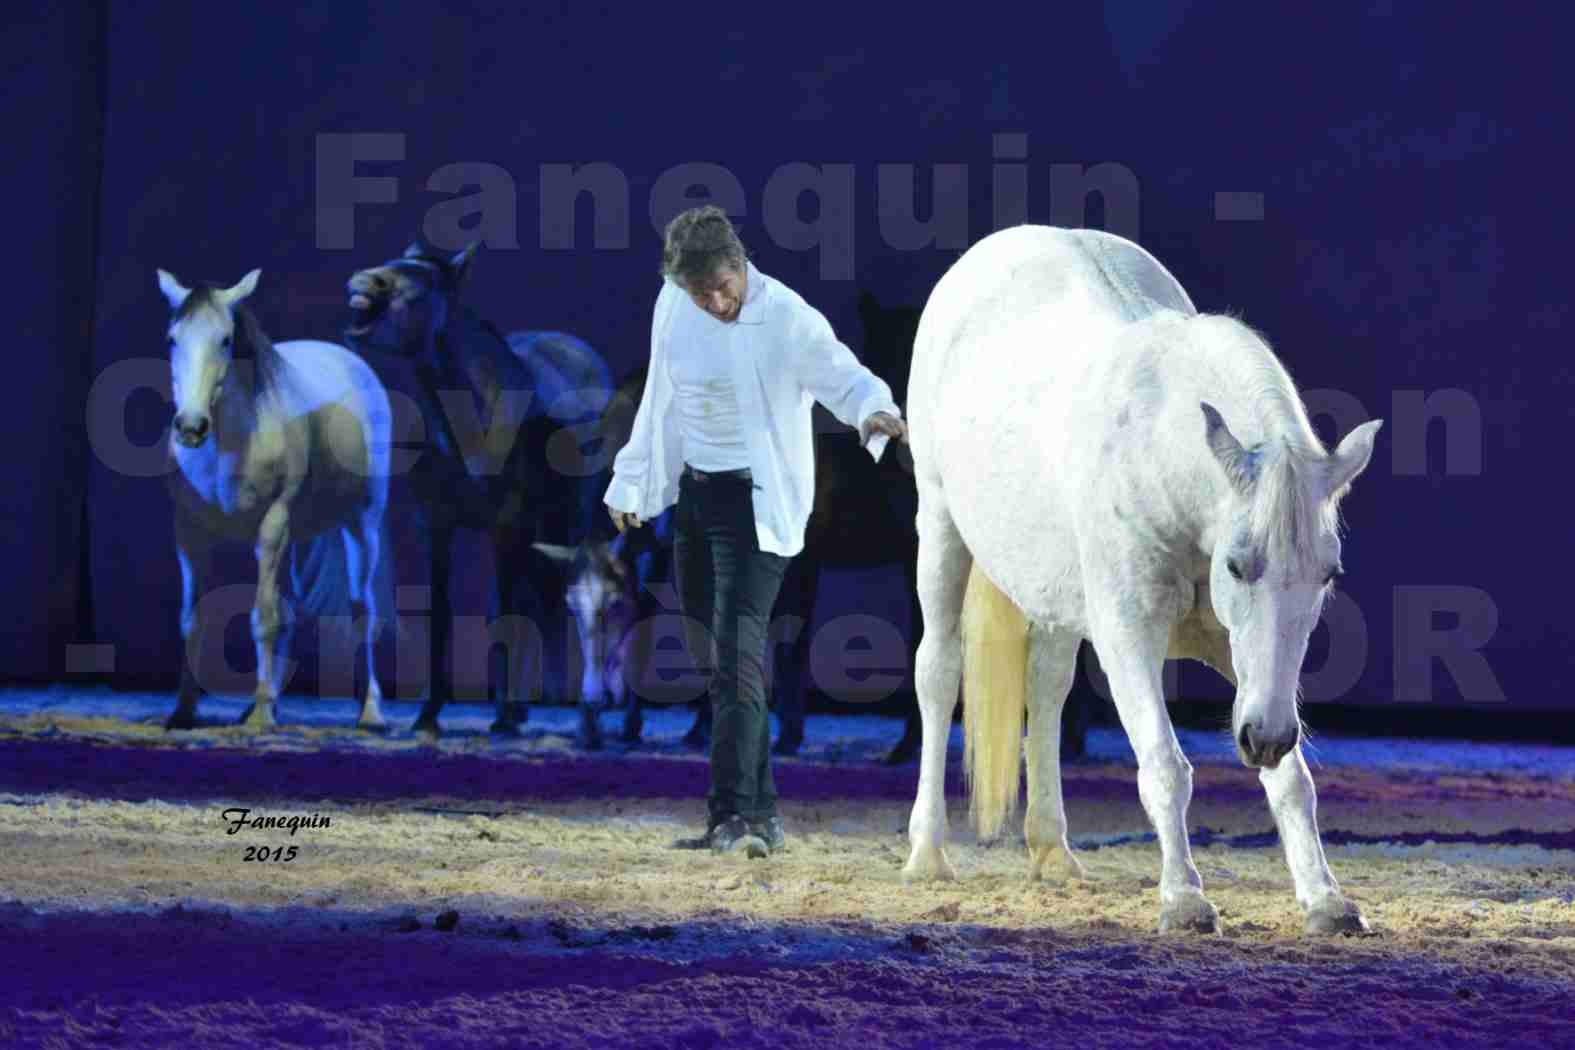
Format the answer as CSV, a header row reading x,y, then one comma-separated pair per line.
x,y
236,416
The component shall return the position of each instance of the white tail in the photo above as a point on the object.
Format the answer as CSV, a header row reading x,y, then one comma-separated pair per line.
x,y
995,700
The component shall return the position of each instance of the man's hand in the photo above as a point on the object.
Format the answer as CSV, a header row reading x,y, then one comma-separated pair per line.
x,y
624,518
882,423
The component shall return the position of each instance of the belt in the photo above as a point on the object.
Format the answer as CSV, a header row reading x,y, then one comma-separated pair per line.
x,y
741,474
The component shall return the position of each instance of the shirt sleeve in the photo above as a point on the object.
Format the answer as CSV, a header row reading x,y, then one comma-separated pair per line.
x,y
632,464
826,368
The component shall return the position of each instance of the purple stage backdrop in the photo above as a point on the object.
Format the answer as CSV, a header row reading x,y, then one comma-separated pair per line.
x,y
1374,187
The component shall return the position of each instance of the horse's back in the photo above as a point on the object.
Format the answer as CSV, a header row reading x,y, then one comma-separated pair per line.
x,y
1039,292
572,382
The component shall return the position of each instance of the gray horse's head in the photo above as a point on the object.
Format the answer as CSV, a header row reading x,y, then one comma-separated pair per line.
x,y
202,337
1275,559
396,306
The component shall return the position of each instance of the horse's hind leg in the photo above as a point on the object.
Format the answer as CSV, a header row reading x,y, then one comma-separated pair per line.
x,y
363,547
191,547
1052,662
440,679
944,563
271,616
796,600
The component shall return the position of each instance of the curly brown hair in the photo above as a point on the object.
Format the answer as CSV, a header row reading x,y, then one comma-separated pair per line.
x,y
698,241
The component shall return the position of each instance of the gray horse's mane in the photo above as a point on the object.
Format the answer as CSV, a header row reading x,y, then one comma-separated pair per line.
x,y
265,370
1287,512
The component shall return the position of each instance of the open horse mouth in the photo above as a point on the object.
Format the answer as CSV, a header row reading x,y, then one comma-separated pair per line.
x,y
364,313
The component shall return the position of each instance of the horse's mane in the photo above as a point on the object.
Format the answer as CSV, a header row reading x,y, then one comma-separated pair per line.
x,y
265,372
1285,515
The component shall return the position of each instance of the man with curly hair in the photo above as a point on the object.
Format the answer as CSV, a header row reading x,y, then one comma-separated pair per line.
x,y
724,430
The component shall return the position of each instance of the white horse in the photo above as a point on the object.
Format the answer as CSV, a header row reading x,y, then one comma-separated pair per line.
x,y
283,447
1096,459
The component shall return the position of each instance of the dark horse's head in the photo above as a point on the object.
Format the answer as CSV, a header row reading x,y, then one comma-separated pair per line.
x,y
395,307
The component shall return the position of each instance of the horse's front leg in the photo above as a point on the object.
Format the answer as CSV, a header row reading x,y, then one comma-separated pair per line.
x,y
1131,639
1294,801
191,548
271,618
518,622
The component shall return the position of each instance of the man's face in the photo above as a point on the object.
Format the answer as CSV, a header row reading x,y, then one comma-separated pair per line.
x,y
722,294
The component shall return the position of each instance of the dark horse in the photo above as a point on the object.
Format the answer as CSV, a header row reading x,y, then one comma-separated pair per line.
x,y
501,454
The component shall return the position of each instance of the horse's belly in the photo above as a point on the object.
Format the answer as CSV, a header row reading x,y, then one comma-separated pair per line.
x,y
1014,520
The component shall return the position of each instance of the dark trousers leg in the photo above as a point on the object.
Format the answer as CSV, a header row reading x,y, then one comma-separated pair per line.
x,y
728,586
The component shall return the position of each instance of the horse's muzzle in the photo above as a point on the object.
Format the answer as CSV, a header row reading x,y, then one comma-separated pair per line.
x,y
191,432
1263,751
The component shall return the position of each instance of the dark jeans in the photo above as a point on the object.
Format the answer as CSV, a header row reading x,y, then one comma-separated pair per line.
x,y
728,586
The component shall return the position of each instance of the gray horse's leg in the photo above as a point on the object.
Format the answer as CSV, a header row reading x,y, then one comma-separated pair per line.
x,y
1293,799
944,565
362,551
1052,663
1131,638
271,618
191,548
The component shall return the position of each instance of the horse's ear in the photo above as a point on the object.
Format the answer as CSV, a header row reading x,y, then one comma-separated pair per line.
x,y
241,289
1232,458
414,251
173,290
459,265
1352,455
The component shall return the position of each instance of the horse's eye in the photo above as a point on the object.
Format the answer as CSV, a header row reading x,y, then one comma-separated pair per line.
x,y
1232,568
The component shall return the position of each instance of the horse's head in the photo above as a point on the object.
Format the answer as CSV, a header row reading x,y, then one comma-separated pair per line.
x,y
1275,558
202,335
394,307
600,582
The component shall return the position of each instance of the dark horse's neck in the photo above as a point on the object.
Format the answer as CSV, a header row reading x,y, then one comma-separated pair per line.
x,y
456,336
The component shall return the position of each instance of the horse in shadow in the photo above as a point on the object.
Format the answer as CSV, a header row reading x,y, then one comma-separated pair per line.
x,y
501,455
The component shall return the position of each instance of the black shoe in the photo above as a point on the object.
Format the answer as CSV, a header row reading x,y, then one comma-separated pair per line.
x,y
734,835
731,835
771,832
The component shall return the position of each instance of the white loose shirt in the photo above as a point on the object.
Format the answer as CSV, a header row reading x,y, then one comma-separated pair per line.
x,y
709,424
783,357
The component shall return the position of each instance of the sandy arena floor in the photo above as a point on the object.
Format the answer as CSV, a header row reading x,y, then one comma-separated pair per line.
x,y
132,919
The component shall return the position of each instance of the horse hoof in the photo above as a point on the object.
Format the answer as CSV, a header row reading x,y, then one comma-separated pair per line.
x,y
509,729
259,718
1336,915
1189,913
632,733
427,730
1054,864
928,866
182,718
